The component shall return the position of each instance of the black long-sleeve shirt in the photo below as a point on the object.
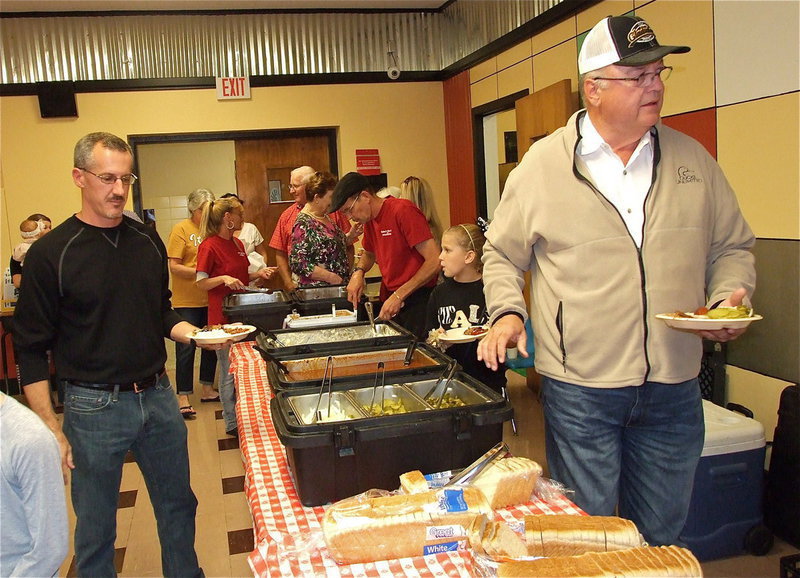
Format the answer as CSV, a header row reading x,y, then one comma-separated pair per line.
x,y
99,299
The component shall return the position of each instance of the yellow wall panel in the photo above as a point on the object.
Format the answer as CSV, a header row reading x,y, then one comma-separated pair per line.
x,y
407,113
516,78
482,70
556,64
594,14
483,91
758,148
514,55
691,86
557,34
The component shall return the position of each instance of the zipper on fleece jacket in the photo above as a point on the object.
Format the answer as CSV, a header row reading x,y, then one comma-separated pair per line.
x,y
640,261
560,327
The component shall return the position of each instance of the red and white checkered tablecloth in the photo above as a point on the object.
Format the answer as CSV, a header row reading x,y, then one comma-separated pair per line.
x,y
288,535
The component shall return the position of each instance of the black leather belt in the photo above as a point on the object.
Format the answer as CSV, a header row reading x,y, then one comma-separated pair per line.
x,y
136,386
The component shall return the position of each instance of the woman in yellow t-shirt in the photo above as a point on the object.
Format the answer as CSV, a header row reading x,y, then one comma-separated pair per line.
x,y
191,303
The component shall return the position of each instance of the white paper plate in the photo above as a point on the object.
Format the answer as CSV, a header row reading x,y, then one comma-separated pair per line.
x,y
219,336
457,335
704,323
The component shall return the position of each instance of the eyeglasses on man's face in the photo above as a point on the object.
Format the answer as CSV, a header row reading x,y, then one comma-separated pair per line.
x,y
349,210
643,80
109,179
293,187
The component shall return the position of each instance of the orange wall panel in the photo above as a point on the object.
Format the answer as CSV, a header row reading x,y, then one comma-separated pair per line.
x,y
459,143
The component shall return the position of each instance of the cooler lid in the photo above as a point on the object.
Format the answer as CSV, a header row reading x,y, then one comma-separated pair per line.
x,y
729,432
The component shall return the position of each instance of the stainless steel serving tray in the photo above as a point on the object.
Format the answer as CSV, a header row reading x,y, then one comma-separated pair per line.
x,y
342,408
384,400
331,340
255,299
314,293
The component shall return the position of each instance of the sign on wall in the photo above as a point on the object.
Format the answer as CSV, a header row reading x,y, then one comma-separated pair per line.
x,y
233,87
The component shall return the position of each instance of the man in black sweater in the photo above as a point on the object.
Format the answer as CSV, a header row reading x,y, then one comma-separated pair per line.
x,y
96,293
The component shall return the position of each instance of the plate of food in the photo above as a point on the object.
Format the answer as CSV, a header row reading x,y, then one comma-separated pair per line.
x,y
211,334
464,335
704,319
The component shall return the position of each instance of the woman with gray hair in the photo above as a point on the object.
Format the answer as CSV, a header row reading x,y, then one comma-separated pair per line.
x,y
191,303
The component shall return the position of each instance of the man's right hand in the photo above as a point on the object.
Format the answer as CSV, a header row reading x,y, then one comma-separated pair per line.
x,y
66,454
509,329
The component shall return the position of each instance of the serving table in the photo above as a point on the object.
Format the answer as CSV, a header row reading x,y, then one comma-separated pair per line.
x,y
288,535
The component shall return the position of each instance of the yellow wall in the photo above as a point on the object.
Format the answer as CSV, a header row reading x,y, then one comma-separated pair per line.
x,y
405,121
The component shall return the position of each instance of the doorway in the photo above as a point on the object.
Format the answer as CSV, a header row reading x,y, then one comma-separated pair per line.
x,y
252,164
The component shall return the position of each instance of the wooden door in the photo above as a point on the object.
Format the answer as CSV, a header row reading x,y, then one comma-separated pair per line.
x,y
262,177
538,115
542,112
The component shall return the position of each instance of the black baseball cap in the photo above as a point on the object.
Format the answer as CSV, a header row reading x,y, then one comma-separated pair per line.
x,y
623,40
348,186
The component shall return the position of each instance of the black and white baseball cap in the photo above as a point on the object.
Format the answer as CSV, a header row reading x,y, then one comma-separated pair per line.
x,y
623,40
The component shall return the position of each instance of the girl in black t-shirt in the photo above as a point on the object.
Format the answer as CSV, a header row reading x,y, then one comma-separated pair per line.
x,y
458,302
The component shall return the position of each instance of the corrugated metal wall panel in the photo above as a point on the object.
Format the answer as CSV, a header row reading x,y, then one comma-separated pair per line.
x,y
85,47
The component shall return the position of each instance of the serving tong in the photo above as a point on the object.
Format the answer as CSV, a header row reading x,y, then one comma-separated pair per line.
x,y
380,370
410,353
442,382
328,375
370,316
468,474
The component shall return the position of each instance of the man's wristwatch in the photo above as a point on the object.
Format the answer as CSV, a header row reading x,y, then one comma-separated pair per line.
x,y
360,268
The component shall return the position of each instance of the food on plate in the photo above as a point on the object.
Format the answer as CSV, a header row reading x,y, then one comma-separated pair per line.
x,y
210,331
508,481
495,539
740,312
365,529
565,535
413,482
643,561
478,330
389,407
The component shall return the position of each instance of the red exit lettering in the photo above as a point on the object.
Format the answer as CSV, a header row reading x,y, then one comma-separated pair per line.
x,y
233,86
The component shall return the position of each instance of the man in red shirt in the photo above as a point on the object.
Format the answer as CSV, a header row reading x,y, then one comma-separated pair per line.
x,y
281,239
398,237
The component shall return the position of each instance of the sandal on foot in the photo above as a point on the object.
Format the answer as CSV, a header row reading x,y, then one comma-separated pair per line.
x,y
188,412
209,399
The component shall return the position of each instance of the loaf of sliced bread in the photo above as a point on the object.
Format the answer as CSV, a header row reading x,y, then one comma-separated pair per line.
x,y
508,481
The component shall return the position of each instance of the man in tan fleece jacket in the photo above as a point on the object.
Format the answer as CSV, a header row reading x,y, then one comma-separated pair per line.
x,y
618,218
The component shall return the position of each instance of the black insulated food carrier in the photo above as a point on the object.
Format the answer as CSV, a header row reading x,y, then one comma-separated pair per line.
x,y
265,310
355,451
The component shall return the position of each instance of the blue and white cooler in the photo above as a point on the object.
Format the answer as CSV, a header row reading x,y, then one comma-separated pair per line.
x,y
725,514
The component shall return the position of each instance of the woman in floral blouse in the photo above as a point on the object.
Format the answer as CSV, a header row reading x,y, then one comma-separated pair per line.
x,y
319,247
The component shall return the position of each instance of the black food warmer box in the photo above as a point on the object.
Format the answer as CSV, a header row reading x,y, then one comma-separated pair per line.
x,y
265,310
351,450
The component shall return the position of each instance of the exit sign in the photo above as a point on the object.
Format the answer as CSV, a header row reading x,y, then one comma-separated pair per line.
x,y
233,87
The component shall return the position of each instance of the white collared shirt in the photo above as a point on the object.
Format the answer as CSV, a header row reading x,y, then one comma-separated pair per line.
x,y
625,186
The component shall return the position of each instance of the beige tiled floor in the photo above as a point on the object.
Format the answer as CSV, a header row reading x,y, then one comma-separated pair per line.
x,y
220,513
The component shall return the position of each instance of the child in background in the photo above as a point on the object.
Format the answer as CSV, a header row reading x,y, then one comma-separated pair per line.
x,y
460,298
29,230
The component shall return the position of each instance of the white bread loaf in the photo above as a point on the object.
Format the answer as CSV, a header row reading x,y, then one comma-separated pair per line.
x,y
413,482
508,481
363,529
565,535
495,539
644,562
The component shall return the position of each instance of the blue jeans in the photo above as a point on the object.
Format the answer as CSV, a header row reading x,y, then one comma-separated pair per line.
x,y
631,448
184,355
102,426
227,390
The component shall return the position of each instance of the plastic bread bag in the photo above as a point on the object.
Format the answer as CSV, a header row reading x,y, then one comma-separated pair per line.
x,y
382,526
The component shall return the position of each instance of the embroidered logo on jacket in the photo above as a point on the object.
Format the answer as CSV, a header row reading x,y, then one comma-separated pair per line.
x,y
686,175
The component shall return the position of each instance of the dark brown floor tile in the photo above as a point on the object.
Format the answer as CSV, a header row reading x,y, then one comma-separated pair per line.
x,y
229,443
233,485
240,541
218,414
127,499
129,459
